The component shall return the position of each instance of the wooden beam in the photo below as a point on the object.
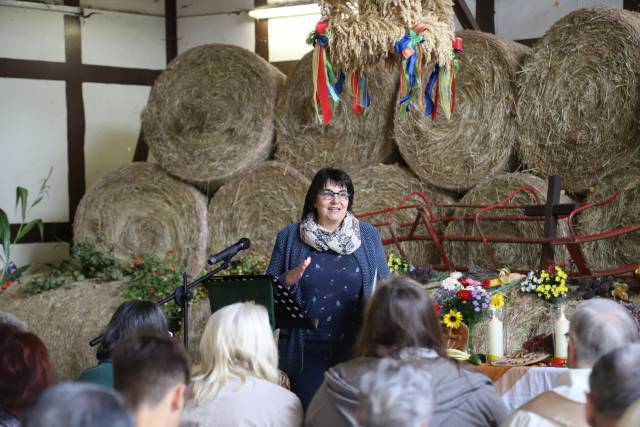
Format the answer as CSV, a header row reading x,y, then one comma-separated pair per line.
x,y
53,232
171,29
485,15
527,42
631,5
464,15
262,33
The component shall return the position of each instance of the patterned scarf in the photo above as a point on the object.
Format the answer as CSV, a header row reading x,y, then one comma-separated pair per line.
x,y
344,240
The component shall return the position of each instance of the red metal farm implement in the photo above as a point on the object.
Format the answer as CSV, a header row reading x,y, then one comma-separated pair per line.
x,y
431,220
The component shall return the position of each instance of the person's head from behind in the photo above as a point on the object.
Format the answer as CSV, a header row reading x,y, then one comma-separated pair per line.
x,y
399,315
79,405
132,318
329,196
597,327
25,369
398,393
237,342
614,385
152,373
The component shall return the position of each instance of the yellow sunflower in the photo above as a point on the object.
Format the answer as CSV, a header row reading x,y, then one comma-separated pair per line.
x,y
453,319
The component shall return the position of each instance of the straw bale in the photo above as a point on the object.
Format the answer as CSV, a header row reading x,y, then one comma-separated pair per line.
x,y
256,205
348,142
138,209
475,143
383,186
491,191
209,117
580,97
623,211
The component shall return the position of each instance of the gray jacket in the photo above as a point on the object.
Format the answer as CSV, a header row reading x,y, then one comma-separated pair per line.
x,y
464,398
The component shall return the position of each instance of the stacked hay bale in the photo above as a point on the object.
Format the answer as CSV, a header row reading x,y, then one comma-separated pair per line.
x,y
350,142
256,205
209,117
383,186
580,97
139,209
476,142
491,191
622,212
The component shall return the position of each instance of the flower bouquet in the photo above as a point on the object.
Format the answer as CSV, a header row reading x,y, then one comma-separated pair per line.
x,y
462,299
549,284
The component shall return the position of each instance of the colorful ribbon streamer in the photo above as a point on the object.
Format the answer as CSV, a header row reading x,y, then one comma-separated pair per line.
x,y
325,94
410,74
357,88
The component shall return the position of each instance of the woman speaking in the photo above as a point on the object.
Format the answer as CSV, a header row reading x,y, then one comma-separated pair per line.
x,y
331,262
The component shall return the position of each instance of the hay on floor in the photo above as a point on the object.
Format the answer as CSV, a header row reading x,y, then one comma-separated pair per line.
x,y
348,142
256,205
476,142
512,255
139,209
623,211
383,186
209,117
580,97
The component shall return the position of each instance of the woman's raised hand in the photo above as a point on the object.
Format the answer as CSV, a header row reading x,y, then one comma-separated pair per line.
x,y
294,275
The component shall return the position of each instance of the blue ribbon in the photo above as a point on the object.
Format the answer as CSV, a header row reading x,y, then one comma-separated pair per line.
x,y
410,40
433,78
339,85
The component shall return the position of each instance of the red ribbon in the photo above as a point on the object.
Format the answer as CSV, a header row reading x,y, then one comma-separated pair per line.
x,y
355,100
323,90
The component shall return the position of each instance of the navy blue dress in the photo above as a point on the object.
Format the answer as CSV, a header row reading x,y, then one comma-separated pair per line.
x,y
331,289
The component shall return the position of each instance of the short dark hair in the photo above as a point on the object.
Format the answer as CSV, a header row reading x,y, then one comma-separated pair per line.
x,y
131,318
400,314
318,182
146,367
615,381
25,369
79,405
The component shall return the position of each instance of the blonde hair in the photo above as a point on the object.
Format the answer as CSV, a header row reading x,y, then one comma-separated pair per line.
x,y
237,343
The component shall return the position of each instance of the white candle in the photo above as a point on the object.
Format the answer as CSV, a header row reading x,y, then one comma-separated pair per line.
x,y
496,338
560,343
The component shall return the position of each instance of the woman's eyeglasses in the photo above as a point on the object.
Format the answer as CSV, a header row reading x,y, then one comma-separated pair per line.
x,y
328,195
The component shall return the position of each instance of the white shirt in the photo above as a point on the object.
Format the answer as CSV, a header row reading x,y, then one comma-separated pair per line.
x,y
573,384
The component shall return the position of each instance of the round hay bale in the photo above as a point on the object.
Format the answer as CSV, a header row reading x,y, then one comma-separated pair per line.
x,y
580,97
209,117
623,211
138,209
256,205
512,255
348,142
475,143
383,186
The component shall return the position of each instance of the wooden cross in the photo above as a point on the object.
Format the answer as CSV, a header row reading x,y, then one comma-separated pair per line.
x,y
551,210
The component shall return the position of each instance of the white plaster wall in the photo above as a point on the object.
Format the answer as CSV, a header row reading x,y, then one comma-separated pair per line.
x,y
237,30
146,7
524,19
123,40
31,34
112,115
37,254
210,7
33,138
288,37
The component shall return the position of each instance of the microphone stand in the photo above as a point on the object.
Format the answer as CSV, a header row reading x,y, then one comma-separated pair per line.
x,y
182,295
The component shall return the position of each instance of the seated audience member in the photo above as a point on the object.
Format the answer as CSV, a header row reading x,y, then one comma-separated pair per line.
x,y
631,417
79,405
400,322
397,393
9,319
597,327
615,386
236,382
152,373
25,372
130,319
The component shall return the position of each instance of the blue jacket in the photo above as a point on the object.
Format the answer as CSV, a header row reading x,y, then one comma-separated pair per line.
x,y
290,250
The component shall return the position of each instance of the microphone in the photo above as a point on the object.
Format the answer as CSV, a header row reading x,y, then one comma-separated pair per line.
x,y
230,252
